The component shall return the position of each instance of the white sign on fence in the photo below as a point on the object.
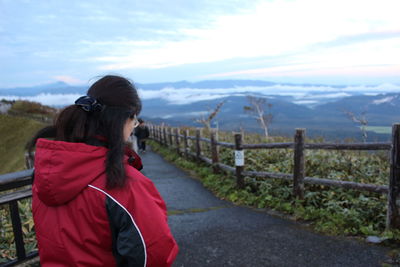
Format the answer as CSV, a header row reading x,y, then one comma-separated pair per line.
x,y
239,157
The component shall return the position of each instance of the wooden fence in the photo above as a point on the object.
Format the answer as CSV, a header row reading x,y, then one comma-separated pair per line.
x,y
172,137
180,142
18,181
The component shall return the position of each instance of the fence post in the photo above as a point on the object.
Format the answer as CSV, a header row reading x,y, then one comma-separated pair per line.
x,y
177,141
29,160
393,210
185,143
298,172
17,229
160,133
214,151
198,148
239,160
165,135
150,130
171,143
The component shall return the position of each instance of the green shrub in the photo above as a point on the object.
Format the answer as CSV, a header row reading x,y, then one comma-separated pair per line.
x,y
330,210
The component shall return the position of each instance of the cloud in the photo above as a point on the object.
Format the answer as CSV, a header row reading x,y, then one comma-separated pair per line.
x,y
121,42
334,95
383,100
45,18
179,96
298,92
306,102
182,96
312,70
271,29
309,38
68,79
186,114
377,57
47,99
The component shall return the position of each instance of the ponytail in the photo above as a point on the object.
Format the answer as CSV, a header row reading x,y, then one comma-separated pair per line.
x,y
103,112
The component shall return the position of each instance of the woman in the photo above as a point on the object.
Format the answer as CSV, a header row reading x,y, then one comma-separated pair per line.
x,y
91,206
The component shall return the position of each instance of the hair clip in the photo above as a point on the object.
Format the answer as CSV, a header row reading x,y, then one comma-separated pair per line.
x,y
88,104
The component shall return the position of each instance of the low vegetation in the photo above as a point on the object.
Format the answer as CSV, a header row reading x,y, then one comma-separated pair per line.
x,y
15,132
17,127
32,110
330,210
7,245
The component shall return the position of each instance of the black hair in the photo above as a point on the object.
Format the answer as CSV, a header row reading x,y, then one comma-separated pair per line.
x,y
119,101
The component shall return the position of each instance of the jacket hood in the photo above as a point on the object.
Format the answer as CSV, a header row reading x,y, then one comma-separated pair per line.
x,y
64,169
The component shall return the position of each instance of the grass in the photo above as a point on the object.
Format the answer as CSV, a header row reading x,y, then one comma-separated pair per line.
x,y
14,133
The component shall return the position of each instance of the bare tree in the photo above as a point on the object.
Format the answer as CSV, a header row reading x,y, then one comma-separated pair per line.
x,y
258,106
361,119
206,121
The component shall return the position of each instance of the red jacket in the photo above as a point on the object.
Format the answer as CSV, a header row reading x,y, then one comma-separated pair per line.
x,y
79,222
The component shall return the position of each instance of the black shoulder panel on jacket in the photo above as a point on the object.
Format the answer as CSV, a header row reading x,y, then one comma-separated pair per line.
x,y
127,243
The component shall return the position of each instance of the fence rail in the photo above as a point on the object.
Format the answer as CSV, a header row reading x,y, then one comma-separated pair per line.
x,y
15,179
9,181
360,146
162,134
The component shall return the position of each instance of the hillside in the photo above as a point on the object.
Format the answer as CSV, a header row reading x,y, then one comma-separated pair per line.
x,y
15,131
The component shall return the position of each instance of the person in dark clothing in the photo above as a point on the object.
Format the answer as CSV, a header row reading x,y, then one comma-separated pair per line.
x,y
142,133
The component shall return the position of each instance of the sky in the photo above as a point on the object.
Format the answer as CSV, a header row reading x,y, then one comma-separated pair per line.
x,y
288,41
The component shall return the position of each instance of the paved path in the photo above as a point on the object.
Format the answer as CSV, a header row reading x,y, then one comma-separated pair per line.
x,y
212,232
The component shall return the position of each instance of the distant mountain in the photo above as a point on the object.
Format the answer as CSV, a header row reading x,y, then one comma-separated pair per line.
x,y
318,108
328,120
52,88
